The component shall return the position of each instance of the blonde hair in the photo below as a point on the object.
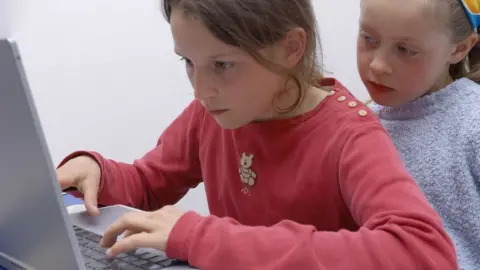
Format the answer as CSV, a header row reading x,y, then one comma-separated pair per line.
x,y
252,25
461,28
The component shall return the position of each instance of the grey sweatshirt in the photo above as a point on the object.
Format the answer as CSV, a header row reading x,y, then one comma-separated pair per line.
x,y
438,138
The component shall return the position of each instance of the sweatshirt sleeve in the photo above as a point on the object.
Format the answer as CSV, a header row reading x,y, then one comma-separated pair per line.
x,y
163,175
398,228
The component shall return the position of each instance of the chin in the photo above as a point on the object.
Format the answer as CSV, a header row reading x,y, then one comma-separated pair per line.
x,y
225,124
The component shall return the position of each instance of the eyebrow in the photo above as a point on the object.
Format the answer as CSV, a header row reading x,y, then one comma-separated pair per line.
x,y
367,28
217,55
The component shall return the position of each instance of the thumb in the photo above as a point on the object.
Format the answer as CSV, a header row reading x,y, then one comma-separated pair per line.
x,y
90,194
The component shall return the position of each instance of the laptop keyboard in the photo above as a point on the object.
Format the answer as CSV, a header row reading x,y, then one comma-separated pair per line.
x,y
95,257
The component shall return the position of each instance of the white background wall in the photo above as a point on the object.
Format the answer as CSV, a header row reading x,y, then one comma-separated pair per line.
x,y
105,78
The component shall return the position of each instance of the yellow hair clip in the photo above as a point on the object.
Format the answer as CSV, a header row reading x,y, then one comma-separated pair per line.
x,y
472,8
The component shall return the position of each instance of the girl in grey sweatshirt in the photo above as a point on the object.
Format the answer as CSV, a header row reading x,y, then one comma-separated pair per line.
x,y
420,63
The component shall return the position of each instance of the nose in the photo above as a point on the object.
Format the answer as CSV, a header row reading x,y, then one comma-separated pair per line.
x,y
379,65
203,85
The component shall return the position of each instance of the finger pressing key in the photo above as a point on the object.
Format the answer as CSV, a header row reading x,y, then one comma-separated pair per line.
x,y
134,221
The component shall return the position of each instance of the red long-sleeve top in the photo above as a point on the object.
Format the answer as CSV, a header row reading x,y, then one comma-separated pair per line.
x,y
324,190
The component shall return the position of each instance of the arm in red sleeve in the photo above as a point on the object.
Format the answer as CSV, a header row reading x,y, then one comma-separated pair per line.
x,y
162,176
399,230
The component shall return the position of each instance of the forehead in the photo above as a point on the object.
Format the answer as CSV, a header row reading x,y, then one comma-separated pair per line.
x,y
407,18
191,37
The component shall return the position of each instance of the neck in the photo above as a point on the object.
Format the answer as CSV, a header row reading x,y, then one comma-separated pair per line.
x,y
441,83
461,91
313,97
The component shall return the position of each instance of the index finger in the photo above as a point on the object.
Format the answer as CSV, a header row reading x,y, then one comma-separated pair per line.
x,y
139,240
90,193
133,221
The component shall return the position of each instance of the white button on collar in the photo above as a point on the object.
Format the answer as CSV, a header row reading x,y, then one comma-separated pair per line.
x,y
362,113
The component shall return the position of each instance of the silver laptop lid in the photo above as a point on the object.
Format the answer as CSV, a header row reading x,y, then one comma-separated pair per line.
x,y
34,224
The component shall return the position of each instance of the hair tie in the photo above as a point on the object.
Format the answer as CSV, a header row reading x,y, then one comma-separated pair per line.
x,y
472,8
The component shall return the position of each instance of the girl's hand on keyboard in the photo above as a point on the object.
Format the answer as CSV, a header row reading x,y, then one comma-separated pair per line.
x,y
141,230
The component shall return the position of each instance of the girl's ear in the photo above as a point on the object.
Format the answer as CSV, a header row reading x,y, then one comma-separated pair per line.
x,y
462,48
294,45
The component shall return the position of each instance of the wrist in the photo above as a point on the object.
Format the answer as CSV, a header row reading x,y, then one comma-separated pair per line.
x,y
179,240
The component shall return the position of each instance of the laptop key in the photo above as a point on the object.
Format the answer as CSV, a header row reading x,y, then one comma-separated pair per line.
x,y
121,255
147,256
137,252
91,244
130,258
82,233
153,267
94,238
140,262
94,254
166,263
97,255
124,266
157,259
100,249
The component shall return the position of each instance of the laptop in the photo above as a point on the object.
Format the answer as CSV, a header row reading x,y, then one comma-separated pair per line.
x,y
36,231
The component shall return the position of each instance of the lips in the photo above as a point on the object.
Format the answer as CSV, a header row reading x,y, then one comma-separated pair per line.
x,y
217,112
379,87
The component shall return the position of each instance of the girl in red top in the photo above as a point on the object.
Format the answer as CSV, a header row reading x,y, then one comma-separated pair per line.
x,y
298,173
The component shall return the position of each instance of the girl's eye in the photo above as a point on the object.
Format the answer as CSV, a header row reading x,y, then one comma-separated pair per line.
x,y
187,61
368,38
406,51
223,65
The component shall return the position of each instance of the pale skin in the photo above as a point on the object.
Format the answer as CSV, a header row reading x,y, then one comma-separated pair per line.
x,y
223,78
405,46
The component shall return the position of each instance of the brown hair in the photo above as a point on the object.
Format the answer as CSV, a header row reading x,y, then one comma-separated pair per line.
x,y
461,28
254,24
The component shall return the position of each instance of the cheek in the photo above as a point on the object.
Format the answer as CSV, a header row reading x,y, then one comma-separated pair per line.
x,y
255,79
416,78
422,70
360,46
410,73
363,62
254,92
190,72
